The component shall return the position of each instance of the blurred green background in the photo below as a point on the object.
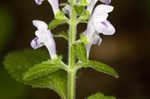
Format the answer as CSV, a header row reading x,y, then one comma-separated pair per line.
x,y
128,51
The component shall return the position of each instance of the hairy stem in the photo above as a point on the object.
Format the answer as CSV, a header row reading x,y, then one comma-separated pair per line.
x,y
71,85
72,72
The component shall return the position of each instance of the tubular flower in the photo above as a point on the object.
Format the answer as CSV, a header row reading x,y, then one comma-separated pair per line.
x,y
53,3
43,37
97,24
93,2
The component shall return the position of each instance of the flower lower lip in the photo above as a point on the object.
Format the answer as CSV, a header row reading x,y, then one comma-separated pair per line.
x,y
104,24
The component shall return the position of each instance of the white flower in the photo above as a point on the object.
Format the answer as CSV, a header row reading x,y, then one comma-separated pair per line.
x,y
43,37
93,2
97,24
53,3
100,22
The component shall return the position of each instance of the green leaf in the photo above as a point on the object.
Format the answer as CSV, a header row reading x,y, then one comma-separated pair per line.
x,y
98,66
19,62
80,51
100,96
63,35
60,16
55,23
43,69
56,81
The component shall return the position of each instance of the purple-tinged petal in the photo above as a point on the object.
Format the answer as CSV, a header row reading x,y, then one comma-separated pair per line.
x,y
88,48
40,25
105,24
35,44
99,20
39,2
106,1
51,45
107,28
55,5
97,40
104,27
93,2
91,6
102,9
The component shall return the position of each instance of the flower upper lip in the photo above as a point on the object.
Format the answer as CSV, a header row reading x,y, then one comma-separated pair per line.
x,y
93,2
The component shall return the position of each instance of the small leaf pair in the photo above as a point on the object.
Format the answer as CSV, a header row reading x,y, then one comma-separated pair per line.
x,y
60,19
82,13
